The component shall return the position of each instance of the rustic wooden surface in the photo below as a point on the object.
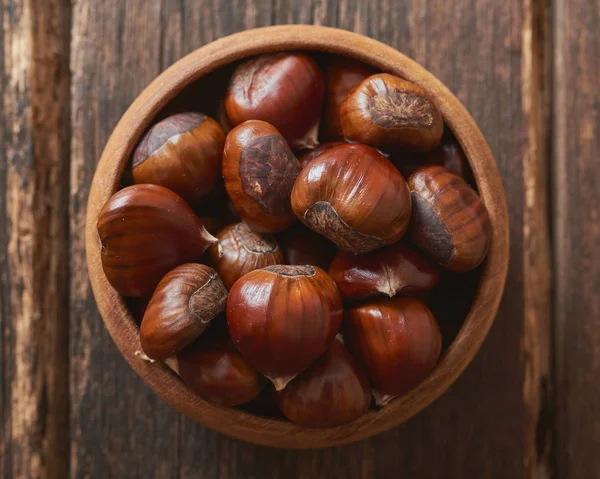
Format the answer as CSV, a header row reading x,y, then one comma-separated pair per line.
x,y
528,406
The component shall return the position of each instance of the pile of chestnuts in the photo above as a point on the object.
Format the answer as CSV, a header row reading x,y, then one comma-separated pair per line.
x,y
285,247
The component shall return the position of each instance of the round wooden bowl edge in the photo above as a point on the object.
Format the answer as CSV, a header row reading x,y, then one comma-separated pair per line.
x,y
124,331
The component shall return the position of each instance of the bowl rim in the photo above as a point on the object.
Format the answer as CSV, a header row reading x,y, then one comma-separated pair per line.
x,y
116,154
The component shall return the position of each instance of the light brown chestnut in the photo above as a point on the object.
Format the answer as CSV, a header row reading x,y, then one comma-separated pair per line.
x,y
353,196
391,114
145,231
449,221
241,250
259,170
397,340
334,390
184,303
283,89
307,155
282,318
183,153
391,270
341,76
217,372
303,246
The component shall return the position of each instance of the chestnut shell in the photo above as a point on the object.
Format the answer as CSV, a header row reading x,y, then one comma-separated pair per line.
x,y
282,318
449,221
334,390
353,196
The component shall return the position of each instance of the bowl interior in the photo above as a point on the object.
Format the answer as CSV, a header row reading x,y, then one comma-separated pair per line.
x,y
475,299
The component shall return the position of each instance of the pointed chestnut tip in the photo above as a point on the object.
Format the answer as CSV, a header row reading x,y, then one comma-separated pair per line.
x,y
310,140
173,363
382,400
280,382
206,236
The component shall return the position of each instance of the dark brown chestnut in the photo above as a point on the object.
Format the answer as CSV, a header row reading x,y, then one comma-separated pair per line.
x,y
341,76
183,153
397,340
391,114
241,250
282,318
307,155
334,390
145,231
448,154
449,221
217,372
283,89
394,269
184,303
259,170
355,197
303,246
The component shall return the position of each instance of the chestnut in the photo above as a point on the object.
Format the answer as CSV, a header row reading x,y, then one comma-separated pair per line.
x,y
449,221
184,303
259,170
145,231
332,391
183,153
283,89
391,114
448,154
394,269
341,76
303,246
397,340
307,155
353,196
217,372
282,318
241,250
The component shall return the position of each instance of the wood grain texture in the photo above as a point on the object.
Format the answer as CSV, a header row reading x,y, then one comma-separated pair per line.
x,y
34,160
576,186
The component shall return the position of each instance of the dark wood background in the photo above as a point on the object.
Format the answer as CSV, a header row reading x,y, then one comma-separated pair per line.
x,y
528,405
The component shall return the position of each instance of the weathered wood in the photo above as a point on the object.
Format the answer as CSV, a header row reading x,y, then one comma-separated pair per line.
x,y
34,159
118,427
576,187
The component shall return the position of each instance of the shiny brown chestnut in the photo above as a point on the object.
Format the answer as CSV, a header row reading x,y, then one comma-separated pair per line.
x,y
283,89
391,114
183,153
282,318
184,303
341,76
301,245
241,250
259,170
332,391
391,270
449,221
307,155
145,231
217,372
353,196
397,340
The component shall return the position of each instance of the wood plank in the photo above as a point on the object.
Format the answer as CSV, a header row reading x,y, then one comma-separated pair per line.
x,y
119,428
488,53
34,158
576,184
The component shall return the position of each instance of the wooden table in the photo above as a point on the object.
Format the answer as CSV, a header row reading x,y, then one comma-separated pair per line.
x,y
528,406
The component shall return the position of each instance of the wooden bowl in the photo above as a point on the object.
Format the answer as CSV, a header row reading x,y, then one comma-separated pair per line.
x,y
123,329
